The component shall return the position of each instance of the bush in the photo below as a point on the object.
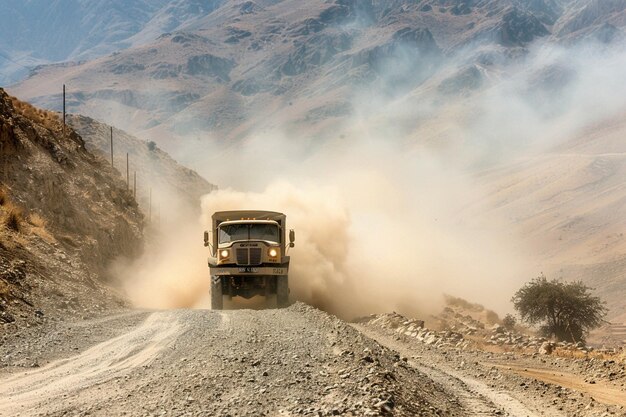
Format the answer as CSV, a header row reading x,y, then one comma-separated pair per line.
x,y
48,119
13,218
509,322
152,146
36,220
567,311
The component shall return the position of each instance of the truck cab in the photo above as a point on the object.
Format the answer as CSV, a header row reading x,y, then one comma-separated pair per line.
x,y
248,256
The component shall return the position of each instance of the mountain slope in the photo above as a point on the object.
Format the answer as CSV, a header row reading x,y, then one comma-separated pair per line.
x,y
568,204
41,31
65,216
244,67
154,169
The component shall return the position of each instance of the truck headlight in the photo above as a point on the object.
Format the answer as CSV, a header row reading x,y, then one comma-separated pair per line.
x,y
224,253
273,253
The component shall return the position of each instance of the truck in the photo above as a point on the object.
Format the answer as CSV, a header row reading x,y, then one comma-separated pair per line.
x,y
248,256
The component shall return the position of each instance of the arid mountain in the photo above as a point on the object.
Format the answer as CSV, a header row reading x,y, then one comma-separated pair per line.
x,y
252,66
65,215
36,32
150,166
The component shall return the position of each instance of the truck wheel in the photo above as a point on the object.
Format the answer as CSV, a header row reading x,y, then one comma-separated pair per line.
x,y
282,291
217,301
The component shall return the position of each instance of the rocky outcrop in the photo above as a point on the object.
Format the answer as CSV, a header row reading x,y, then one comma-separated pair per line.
x,y
519,28
211,66
316,51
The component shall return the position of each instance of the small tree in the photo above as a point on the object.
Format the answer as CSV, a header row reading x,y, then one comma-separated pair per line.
x,y
566,311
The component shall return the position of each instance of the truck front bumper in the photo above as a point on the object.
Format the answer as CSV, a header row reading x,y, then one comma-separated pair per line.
x,y
260,270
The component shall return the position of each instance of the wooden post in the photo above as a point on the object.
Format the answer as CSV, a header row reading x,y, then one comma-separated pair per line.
x,y
127,173
63,111
112,146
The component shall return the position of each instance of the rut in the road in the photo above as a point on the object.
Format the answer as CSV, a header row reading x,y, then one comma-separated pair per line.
x,y
101,363
476,397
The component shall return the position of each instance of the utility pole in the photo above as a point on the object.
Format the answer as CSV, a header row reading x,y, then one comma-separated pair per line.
x,y
127,173
63,111
111,146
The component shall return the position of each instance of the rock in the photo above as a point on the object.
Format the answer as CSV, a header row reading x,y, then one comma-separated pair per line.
x,y
546,348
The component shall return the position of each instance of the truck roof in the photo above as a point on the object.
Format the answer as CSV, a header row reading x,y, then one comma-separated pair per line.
x,y
222,216
228,222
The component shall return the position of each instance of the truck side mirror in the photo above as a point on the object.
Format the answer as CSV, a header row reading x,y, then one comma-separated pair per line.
x,y
292,238
206,238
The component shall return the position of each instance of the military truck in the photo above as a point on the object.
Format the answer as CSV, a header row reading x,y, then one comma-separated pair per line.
x,y
248,256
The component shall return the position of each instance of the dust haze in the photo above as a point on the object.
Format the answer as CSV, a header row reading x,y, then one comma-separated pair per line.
x,y
380,209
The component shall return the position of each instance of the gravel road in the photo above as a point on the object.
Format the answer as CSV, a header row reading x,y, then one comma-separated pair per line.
x,y
487,383
288,362
294,361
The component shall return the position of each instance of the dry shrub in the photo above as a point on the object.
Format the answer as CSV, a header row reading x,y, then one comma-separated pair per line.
x,y
37,220
13,218
48,119
462,303
4,198
39,225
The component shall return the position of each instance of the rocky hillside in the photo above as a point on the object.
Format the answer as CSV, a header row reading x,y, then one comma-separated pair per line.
x,y
40,32
64,215
154,168
243,67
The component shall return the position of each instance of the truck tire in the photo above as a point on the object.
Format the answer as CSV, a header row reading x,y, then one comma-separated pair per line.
x,y
282,291
217,300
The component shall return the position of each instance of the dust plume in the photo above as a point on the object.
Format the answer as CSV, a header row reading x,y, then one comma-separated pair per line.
x,y
376,232
380,208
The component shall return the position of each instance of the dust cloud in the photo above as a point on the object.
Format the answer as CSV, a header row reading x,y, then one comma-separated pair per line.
x,y
380,209
377,230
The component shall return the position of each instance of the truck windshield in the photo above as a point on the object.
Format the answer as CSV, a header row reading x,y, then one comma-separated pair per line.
x,y
232,232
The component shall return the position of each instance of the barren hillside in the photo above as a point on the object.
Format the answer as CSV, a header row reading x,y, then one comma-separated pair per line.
x,y
248,67
65,214
154,169
568,204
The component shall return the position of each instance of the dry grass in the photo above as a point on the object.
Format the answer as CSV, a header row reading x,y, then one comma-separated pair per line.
x,y
48,119
5,290
37,220
4,198
13,217
38,228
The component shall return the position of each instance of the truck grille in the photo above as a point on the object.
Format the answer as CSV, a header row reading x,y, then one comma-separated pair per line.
x,y
251,256
242,256
255,256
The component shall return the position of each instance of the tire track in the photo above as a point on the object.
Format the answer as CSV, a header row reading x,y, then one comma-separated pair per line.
x,y
476,397
98,364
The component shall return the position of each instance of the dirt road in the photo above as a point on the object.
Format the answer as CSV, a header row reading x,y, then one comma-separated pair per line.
x,y
487,383
294,361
